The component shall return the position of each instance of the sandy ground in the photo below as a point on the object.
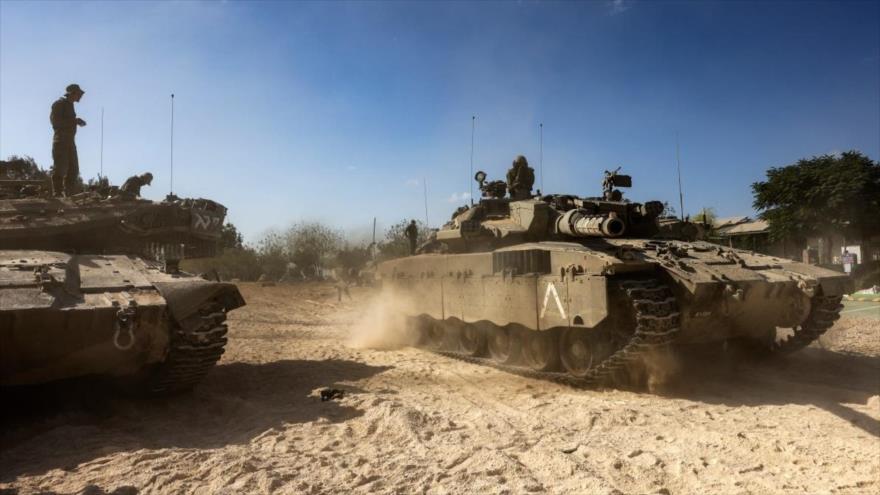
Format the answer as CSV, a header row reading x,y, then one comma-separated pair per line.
x,y
413,422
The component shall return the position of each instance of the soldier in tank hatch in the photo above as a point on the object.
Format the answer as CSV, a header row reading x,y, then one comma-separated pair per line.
x,y
520,179
412,234
132,186
64,122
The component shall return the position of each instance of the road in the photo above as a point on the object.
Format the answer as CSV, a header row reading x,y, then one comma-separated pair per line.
x,y
862,309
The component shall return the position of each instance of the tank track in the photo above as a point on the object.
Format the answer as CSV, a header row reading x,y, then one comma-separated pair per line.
x,y
196,345
824,311
657,320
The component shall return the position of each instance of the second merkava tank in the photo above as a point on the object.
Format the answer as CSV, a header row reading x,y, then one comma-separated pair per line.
x,y
581,289
90,285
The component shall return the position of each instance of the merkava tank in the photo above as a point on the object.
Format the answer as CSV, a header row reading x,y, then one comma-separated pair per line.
x,y
90,285
578,289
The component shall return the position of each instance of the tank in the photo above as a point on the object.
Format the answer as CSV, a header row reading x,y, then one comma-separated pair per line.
x,y
90,285
582,289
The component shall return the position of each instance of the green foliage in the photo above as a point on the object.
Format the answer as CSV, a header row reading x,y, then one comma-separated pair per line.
x,y
706,216
230,237
355,258
396,243
821,195
22,167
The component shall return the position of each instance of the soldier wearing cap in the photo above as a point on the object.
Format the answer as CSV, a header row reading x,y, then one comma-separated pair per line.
x,y
520,179
64,122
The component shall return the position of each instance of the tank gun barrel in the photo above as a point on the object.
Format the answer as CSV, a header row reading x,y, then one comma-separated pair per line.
x,y
581,223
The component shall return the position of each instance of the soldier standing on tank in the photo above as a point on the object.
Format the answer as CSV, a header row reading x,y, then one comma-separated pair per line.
x,y
412,233
64,122
520,179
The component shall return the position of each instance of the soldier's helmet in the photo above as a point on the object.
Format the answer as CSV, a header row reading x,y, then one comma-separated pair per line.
x,y
520,161
74,88
148,178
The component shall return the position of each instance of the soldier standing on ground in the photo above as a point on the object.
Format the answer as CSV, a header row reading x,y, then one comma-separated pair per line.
x,y
520,179
412,233
64,122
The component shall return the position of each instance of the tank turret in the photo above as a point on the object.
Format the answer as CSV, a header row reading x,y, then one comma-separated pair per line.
x,y
498,220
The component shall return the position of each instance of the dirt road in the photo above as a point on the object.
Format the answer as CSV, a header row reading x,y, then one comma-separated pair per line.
x,y
413,422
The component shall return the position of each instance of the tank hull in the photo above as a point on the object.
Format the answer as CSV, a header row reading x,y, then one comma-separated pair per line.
x,y
64,316
576,290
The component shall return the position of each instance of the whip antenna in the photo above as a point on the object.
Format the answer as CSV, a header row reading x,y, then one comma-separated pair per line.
x,y
101,174
541,155
172,143
471,177
678,165
425,184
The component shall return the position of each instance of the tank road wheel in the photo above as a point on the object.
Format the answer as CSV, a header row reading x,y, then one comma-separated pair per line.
x,y
472,339
540,350
433,334
824,311
504,344
581,349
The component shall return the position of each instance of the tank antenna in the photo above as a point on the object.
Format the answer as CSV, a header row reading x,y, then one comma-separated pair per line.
x,y
425,184
101,174
678,164
541,154
471,177
172,144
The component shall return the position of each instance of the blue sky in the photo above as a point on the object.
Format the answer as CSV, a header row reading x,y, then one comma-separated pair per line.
x,y
338,111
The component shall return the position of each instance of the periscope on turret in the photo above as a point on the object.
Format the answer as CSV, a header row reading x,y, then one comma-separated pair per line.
x,y
580,288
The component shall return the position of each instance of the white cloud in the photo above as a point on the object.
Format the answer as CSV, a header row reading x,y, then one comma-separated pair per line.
x,y
619,6
458,197
836,153
413,183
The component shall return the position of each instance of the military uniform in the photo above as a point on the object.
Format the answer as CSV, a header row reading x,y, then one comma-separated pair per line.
x,y
66,163
412,233
133,184
520,179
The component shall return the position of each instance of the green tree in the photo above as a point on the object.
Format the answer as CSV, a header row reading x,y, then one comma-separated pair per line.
x,y
311,245
22,167
821,195
230,237
396,243
706,216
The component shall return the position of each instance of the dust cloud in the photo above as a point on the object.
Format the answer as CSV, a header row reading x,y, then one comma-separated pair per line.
x,y
383,325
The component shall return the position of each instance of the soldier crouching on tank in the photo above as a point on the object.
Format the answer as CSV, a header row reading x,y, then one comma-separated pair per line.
x,y
520,179
64,122
132,186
